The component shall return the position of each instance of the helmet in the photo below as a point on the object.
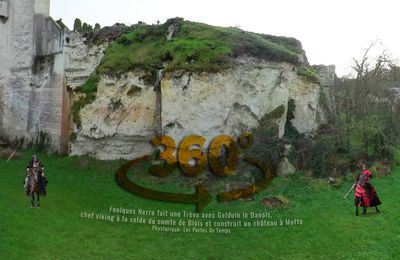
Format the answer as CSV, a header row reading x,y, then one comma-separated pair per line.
x,y
34,158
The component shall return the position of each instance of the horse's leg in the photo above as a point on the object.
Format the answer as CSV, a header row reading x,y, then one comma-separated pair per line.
x,y
38,200
377,210
356,211
364,210
32,199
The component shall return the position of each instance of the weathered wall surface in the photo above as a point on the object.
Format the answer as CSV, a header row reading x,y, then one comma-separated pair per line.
x,y
35,69
16,52
47,79
31,73
48,36
42,7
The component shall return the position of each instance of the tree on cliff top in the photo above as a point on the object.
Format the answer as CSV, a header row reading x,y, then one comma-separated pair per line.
x,y
84,28
77,25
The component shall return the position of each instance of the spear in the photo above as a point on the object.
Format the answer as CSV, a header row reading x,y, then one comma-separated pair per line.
x,y
352,187
11,155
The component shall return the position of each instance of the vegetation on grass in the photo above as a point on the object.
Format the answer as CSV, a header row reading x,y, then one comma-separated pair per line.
x,y
80,184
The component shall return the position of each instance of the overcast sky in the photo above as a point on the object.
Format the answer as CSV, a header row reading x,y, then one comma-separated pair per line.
x,y
332,32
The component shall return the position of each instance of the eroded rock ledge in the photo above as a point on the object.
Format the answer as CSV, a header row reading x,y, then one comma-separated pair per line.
x,y
127,114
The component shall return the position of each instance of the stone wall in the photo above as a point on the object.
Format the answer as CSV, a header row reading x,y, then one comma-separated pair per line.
x,y
3,10
39,59
15,69
48,36
42,7
31,73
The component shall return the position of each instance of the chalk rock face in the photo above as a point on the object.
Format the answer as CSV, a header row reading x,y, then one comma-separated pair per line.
x,y
326,101
285,168
305,95
235,100
81,59
120,122
127,113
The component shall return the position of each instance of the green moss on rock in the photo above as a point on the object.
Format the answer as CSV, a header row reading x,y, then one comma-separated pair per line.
x,y
89,90
72,137
308,73
133,90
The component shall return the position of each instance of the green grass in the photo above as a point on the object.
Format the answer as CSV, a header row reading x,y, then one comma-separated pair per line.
x,y
196,47
56,231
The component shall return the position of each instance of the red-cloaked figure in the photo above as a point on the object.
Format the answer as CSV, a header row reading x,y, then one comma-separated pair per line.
x,y
364,194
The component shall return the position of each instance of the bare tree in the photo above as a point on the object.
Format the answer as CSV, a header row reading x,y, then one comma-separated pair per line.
x,y
364,102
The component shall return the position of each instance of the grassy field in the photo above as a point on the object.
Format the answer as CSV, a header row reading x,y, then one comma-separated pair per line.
x,y
56,231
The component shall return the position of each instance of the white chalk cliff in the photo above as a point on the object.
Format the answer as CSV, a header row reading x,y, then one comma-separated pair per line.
x,y
120,124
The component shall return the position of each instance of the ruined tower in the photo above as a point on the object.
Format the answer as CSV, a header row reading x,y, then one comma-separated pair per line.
x,y
42,7
31,71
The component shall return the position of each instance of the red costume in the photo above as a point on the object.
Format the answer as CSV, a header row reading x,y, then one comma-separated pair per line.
x,y
365,194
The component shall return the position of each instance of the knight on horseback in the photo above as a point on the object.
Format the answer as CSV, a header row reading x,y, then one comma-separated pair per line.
x,y
35,165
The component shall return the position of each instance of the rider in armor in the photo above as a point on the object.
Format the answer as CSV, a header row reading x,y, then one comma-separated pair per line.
x,y
365,194
35,164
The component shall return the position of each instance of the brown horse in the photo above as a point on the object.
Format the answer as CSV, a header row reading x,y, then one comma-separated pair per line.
x,y
35,186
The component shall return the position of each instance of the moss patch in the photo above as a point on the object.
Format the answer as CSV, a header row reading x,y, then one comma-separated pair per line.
x,y
115,104
308,73
275,114
72,137
269,123
133,90
89,90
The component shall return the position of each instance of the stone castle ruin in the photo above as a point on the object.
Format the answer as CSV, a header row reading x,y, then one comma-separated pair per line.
x,y
37,70
43,62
